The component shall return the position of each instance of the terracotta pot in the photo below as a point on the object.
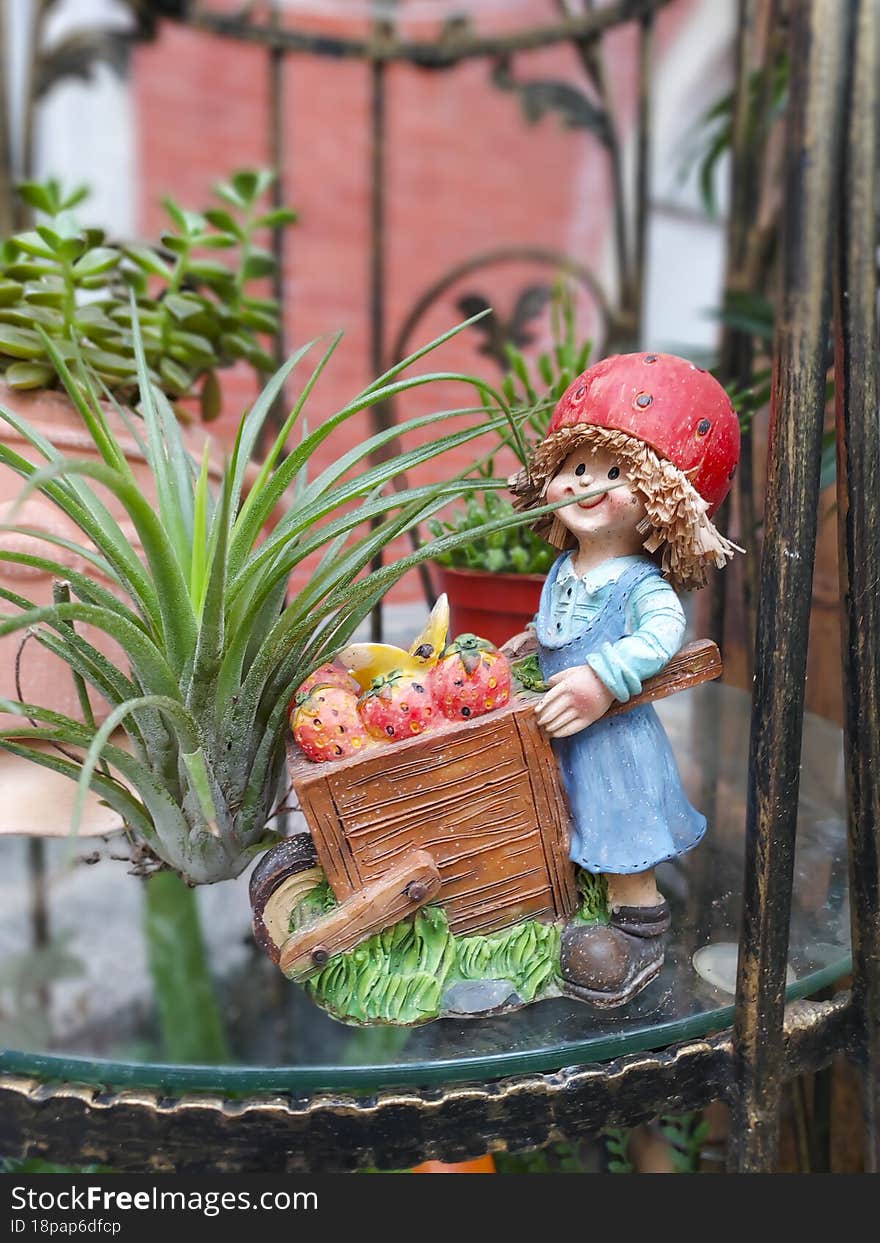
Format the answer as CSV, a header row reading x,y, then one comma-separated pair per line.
x,y
479,1165
45,679
493,606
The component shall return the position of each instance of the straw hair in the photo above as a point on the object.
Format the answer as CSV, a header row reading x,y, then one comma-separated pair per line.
x,y
677,528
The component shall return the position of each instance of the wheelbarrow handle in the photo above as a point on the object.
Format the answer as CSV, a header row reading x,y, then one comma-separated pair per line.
x,y
396,894
695,663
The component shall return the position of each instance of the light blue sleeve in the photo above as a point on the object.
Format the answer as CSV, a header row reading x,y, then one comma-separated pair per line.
x,y
658,626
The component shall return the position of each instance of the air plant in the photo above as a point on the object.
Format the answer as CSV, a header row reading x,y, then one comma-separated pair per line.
x,y
214,647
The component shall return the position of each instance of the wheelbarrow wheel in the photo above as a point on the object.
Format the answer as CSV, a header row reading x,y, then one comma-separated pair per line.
x,y
284,875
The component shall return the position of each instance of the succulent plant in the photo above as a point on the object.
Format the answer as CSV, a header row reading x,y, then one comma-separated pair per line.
x,y
197,314
215,648
531,394
511,550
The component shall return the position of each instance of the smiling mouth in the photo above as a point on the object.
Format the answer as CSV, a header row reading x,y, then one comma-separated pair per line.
x,y
592,502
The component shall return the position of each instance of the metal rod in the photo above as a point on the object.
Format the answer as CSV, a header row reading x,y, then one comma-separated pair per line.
x,y
454,45
800,1124
819,40
557,259
623,326
735,354
28,155
820,1128
382,415
858,509
280,246
643,170
40,927
7,163
750,275
377,267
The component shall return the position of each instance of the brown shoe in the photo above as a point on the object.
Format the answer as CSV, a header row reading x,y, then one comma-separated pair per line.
x,y
608,964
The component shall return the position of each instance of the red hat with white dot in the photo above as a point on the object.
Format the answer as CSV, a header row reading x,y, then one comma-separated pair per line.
x,y
675,432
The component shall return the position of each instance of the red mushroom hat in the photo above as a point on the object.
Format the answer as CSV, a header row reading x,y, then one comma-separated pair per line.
x,y
674,429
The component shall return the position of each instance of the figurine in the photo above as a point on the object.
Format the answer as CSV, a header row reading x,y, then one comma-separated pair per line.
x,y
446,802
651,442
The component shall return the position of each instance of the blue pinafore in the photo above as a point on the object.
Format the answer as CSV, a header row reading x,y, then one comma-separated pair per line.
x,y
629,809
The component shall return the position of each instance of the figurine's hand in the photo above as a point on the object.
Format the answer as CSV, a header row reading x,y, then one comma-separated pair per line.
x,y
522,644
577,697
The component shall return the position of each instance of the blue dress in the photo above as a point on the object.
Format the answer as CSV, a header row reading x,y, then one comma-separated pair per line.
x,y
629,809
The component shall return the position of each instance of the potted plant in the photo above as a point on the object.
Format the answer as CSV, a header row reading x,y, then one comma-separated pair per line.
x,y
65,291
213,647
494,580
197,315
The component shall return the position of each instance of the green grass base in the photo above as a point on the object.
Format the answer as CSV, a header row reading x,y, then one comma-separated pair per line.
x,y
399,976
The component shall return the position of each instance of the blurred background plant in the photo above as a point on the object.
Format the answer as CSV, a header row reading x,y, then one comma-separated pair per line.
x,y
197,314
532,388
514,551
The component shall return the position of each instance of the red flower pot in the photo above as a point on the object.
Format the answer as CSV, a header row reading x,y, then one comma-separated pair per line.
x,y
493,606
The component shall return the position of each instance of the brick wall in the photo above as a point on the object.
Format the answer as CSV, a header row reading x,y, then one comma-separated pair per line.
x,y
465,174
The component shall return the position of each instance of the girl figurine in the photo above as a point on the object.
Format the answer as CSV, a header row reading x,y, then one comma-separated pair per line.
x,y
650,444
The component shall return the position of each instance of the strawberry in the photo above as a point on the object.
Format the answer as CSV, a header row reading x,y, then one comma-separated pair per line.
x,y
471,678
326,724
397,705
331,674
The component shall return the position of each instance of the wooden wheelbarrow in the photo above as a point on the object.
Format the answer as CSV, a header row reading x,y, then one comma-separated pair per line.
x,y
473,816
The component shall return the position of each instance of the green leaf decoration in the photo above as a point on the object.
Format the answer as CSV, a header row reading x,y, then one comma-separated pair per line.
x,y
147,259
213,273
39,196
176,378
26,316
246,186
43,243
20,342
258,264
276,219
28,375
10,292
211,400
96,262
183,306
224,221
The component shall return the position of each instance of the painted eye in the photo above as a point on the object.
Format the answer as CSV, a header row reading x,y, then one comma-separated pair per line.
x,y
580,469
614,473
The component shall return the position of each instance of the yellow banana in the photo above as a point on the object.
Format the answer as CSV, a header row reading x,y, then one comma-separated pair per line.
x,y
366,661
431,642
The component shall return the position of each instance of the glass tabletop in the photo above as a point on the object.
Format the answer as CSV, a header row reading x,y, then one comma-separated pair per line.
x,y
82,1007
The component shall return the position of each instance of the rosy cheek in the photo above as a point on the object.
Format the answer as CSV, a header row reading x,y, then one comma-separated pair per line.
x,y
623,501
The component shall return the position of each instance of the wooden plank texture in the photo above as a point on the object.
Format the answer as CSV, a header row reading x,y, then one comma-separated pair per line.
x,y
465,795
483,797
402,889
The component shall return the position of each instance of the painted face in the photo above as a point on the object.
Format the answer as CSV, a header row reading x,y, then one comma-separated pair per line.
x,y
611,515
